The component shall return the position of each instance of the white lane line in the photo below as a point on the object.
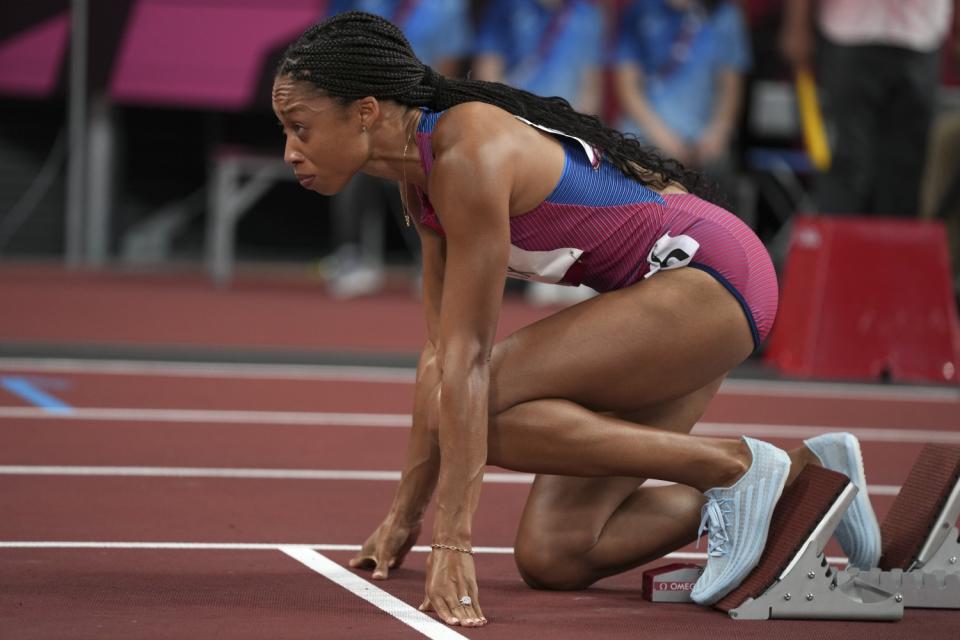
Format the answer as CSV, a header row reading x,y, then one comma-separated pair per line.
x,y
211,546
401,375
175,546
250,474
288,474
250,546
335,373
840,390
401,420
864,434
376,596
287,418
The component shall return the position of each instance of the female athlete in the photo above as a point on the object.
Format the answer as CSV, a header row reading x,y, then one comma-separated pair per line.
x,y
593,399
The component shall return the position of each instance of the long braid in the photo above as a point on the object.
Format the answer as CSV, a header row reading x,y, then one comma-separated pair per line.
x,y
355,54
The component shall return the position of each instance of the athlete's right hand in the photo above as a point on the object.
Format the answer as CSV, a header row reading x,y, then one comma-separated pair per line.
x,y
387,547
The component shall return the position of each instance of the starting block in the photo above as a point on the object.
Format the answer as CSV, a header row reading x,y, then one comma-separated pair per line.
x,y
921,542
919,566
793,578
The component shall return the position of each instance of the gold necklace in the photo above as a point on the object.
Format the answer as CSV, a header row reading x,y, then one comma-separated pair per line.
x,y
403,170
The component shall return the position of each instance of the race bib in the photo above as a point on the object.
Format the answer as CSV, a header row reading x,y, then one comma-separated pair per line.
x,y
541,266
671,253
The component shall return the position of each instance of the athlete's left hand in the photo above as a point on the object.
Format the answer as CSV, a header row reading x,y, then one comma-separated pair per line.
x,y
451,575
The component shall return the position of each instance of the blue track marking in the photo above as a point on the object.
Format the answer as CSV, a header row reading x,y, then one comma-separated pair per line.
x,y
23,388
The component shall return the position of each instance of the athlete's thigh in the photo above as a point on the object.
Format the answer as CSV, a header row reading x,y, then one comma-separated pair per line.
x,y
658,340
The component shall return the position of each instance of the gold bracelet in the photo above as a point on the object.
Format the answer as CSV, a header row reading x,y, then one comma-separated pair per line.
x,y
452,548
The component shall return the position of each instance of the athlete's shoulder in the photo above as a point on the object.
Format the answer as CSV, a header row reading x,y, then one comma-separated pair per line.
x,y
474,126
469,119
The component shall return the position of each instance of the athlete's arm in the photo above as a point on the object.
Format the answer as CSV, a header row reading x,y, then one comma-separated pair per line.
x,y
470,189
423,455
387,547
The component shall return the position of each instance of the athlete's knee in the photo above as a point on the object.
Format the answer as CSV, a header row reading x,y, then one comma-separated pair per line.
x,y
547,565
503,389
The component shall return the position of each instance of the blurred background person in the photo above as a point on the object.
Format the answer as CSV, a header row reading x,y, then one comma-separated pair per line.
x,y
546,47
680,68
878,66
440,33
550,48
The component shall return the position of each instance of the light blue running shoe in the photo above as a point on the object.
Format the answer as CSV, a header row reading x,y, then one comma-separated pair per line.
x,y
737,519
858,532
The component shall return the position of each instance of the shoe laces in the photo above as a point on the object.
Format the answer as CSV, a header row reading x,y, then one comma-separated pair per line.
x,y
713,521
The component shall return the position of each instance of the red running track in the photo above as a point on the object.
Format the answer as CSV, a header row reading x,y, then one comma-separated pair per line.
x,y
190,593
285,311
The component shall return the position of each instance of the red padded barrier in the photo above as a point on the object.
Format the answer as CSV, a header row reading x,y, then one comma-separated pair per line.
x,y
31,60
867,297
205,54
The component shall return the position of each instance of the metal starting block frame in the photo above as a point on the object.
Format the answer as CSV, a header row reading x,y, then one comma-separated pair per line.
x,y
933,579
809,588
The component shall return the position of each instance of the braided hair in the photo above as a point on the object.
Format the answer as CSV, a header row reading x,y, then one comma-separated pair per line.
x,y
355,54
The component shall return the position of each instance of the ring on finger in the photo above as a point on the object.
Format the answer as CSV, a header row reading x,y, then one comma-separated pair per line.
x,y
466,601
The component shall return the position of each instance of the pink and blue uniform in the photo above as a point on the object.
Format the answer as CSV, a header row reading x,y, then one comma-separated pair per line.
x,y
608,231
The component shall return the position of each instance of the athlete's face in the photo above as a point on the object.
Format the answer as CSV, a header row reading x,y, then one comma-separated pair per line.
x,y
325,143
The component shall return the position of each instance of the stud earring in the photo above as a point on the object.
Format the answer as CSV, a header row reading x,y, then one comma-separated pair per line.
x,y
363,128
